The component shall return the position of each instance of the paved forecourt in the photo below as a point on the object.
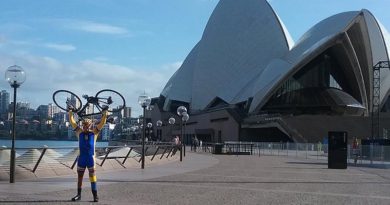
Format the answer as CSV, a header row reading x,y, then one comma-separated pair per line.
x,y
216,179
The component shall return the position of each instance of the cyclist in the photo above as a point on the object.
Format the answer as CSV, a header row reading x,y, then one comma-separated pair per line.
x,y
86,159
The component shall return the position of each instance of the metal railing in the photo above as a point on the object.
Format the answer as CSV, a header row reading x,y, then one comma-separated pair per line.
x,y
367,155
230,147
122,142
36,159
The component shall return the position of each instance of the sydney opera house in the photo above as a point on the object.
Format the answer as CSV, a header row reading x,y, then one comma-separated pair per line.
x,y
247,80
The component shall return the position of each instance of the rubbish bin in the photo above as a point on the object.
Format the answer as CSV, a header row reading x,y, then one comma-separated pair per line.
x,y
218,148
337,150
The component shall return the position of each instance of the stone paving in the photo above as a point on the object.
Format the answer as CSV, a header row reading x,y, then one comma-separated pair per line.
x,y
216,179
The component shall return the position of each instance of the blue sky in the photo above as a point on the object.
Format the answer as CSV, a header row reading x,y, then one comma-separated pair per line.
x,y
126,45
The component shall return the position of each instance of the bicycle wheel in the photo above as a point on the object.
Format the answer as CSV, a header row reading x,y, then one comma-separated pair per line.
x,y
64,98
111,98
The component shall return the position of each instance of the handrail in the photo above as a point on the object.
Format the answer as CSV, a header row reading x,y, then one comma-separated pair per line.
x,y
146,149
74,163
33,158
155,153
164,152
105,157
64,147
319,151
127,155
170,151
39,160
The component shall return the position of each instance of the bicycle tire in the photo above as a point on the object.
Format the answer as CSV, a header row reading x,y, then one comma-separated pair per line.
x,y
60,98
118,100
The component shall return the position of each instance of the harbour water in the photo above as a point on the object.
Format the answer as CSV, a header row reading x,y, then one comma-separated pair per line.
x,y
42,143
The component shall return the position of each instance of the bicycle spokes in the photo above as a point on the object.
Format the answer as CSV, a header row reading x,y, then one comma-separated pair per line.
x,y
66,100
103,100
114,100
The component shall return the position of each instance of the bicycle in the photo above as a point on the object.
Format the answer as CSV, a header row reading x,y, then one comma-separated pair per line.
x,y
105,99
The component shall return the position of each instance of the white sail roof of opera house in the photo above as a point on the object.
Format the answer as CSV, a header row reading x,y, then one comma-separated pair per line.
x,y
246,52
338,31
240,38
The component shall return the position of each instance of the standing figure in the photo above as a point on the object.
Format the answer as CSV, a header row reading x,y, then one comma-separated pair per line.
x,y
192,142
196,142
86,159
177,141
355,150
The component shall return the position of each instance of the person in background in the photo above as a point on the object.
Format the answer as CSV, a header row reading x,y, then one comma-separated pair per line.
x,y
196,143
192,142
355,150
319,146
87,139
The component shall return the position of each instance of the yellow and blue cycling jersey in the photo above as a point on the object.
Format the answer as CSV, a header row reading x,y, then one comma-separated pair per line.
x,y
87,150
87,141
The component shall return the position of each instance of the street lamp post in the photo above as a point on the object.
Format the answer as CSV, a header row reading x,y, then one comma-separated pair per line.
x,y
180,110
141,131
185,117
144,101
149,125
136,133
159,134
15,76
171,121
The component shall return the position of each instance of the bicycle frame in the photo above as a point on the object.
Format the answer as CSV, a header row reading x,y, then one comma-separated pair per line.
x,y
91,100
103,99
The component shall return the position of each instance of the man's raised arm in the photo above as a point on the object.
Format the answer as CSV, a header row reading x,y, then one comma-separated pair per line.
x,y
102,121
73,122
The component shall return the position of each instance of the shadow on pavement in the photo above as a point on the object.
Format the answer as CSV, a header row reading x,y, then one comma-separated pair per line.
x,y
311,163
33,201
377,166
246,182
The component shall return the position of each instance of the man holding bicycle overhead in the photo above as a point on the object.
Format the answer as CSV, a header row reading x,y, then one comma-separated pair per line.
x,y
86,159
